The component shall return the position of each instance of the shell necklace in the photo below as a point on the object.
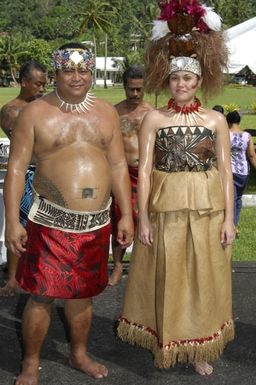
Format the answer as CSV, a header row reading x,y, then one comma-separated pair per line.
x,y
84,106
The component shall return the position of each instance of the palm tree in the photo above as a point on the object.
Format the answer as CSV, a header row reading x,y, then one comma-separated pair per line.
x,y
148,13
11,48
98,15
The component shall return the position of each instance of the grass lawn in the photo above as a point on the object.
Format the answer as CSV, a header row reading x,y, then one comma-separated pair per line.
x,y
245,246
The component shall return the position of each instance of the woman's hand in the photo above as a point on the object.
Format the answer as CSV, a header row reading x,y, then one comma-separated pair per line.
x,y
145,231
227,235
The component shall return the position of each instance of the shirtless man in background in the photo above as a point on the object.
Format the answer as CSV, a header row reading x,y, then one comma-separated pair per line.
x,y
131,112
32,79
76,141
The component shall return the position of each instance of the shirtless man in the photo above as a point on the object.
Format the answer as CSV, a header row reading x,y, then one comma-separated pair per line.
x,y
32,79
131,112
76,141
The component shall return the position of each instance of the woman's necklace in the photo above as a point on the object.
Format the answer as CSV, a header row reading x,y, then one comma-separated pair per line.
x,y
84,106
172,104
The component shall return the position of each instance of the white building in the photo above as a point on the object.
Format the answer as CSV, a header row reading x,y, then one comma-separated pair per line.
x,y
113,69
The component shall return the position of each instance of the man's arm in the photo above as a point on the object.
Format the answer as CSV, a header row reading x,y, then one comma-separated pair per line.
x,y
121,186
20,154
8,116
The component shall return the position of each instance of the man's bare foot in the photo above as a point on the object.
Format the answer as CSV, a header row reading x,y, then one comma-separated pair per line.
x,y
116,275
9,289
29,374
89,367
203,368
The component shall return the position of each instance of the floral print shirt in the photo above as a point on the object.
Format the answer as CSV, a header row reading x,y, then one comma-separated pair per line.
x,y
239,143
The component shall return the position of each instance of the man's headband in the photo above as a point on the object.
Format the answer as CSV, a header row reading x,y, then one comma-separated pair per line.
x,y
70,58
185,63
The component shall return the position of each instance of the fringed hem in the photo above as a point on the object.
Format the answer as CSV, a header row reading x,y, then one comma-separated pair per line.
x,y
183,351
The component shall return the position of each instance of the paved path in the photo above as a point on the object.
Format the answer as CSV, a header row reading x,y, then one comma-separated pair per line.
x,y
129,365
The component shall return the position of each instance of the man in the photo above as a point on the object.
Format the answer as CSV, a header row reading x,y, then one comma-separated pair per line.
x,y
32,79
76,141
131,113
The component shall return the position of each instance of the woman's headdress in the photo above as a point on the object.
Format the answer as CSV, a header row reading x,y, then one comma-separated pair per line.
x,y
187,36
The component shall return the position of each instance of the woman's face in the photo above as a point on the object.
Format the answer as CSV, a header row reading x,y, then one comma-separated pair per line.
x,y
183,86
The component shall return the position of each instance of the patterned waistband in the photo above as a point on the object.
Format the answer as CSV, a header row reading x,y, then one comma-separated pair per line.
x,y
46,213
190,168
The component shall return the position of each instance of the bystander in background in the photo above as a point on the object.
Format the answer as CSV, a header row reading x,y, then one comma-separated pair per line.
x,y
32,79
242,155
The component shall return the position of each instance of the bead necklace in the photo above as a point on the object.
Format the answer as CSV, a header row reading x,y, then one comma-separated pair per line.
x,y
84,106
172,104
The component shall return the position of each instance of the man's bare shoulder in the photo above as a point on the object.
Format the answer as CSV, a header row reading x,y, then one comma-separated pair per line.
x,y
105,106
218,117
33,107
9,113
12,107
120,104
154,115
148,105
123,108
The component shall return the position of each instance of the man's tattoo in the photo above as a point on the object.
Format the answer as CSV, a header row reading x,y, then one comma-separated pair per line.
x,y
91,193
129,126
50,190
106,199
88,192
9,115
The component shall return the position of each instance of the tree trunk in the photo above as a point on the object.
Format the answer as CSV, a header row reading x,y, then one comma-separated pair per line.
x,y
12,74
105,61
95,53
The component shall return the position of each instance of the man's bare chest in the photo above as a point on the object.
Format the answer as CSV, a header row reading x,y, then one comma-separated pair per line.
x,y
130,124
61,132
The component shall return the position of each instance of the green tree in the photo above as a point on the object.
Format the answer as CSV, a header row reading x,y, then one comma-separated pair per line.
x,y
234,12
99,16
39,50
12,48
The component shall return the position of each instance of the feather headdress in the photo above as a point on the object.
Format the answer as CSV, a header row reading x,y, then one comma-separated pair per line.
x,y
186,28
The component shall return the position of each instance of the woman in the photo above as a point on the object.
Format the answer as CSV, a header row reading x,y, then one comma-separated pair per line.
x,y
242,152
178,296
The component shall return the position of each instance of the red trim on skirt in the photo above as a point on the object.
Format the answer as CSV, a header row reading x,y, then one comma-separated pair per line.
x,y
60,264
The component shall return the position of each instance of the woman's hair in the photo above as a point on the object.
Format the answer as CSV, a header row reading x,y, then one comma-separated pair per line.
x,y
218,108
233,118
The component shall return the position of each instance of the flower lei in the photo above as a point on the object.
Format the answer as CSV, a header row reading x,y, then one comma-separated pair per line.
x,y
171,8
172,104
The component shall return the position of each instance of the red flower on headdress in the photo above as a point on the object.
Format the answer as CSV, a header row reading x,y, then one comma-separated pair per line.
x,y
170,9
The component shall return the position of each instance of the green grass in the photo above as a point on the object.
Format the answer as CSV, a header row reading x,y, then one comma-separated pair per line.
x,y
244,247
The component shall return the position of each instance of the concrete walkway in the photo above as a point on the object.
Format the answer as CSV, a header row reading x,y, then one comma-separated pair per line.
x,y
126,364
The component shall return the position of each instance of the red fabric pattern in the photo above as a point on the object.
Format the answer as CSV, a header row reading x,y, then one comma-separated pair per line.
x,y
64,265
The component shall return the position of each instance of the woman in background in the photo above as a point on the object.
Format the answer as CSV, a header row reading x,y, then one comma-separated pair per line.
x,y
242,155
